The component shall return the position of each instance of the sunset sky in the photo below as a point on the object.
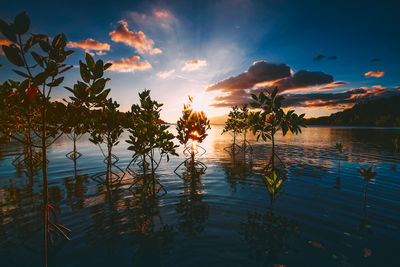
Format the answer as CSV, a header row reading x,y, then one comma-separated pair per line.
x,y
324,55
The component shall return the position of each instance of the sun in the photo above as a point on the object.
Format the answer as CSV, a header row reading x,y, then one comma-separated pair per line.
x,y
200,102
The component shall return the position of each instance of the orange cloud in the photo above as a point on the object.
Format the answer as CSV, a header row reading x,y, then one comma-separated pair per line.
x,y
376,74
130,64
138,40
3,42
165,74
194,64
90,45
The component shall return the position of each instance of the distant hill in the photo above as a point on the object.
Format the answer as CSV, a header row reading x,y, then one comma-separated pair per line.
x,y
379,112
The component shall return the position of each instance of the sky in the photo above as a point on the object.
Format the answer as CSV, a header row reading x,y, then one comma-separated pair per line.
x,y
324,56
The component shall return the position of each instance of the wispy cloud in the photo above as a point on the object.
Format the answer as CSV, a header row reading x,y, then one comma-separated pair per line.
x,y
130,64
138,40
376,74
90,45
158,17
194,64
165,74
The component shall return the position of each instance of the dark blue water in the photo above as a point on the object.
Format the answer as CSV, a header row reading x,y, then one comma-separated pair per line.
x,y
219,218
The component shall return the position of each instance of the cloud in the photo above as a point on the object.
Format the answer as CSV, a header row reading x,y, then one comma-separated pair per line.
x,y
90,45
158,17
375,59
259,72
138,40
165,74
130,64
344,99
332,58
376,74
194,64
319,57
3,42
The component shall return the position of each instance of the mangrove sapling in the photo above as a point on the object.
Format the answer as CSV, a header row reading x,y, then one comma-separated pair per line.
x,y
233,126
368,175
192,130
395,142
90,96
148,138
274,186
75,126
41,74
245,126
339,148
105,129
271,119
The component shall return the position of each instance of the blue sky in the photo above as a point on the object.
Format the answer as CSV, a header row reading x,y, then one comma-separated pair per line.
x,y
216,40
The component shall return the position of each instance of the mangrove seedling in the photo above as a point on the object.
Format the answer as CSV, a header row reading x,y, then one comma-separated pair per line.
x,y
149,138
271,119
192,130
339,148
274,185
368,175
41,74
233,125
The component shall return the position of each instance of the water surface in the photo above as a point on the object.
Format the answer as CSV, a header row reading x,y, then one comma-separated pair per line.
x,y
219,218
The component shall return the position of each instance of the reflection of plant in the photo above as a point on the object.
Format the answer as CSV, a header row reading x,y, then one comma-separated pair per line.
x,y
339,148
149,135
368,175
272,118
193,211
274,185
395,142
75,125
268,235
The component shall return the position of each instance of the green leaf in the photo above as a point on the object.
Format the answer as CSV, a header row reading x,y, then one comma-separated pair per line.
x,y
45,45
8,31
22,23
21,73
13,55
90,62
85,74
59,41
56,82
107,65
98,70
38,58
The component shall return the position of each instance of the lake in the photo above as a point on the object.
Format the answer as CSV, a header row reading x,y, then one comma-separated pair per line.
x,y
217,218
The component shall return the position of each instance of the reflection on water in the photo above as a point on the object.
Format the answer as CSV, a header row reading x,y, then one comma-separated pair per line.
x,y
219,216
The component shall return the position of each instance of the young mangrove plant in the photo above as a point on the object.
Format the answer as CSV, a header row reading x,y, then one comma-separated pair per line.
x,y
149,140
274,185
245,116
368,175
105,129
339,148
271,119
40,63
192,130
233,125
395,142
90,97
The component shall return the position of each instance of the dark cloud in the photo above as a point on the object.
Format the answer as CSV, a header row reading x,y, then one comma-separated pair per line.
x,y
332,58
260,71
319,57
303,79
375,59
337,100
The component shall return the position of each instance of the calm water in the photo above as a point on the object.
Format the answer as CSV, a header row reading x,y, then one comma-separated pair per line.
x,y
219,218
